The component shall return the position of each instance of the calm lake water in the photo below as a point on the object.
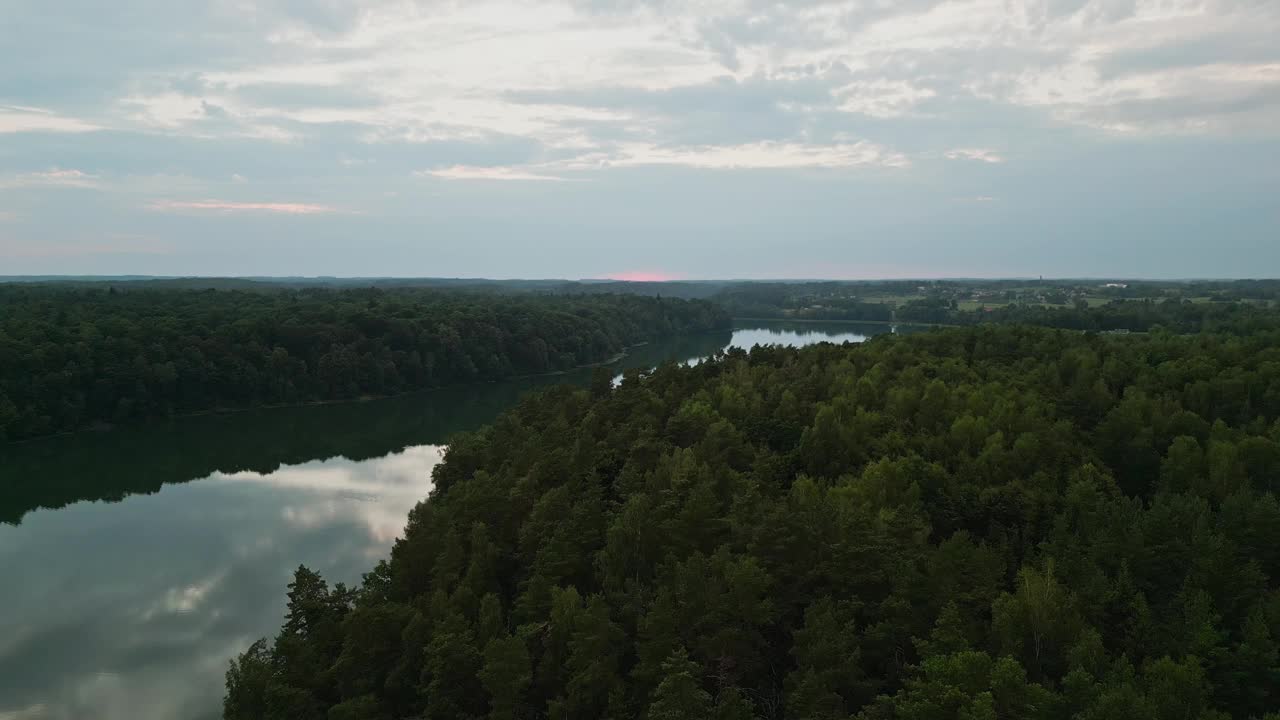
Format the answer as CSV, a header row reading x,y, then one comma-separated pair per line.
x,y
139,561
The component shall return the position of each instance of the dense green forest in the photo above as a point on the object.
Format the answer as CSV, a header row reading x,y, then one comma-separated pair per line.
x,y
72,357
1132,315
801,301
1235,306
972,523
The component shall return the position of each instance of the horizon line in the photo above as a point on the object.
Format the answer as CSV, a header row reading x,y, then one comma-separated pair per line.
x,y
55,277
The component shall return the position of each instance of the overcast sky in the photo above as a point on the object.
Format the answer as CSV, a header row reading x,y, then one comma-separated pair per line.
x,y
865,138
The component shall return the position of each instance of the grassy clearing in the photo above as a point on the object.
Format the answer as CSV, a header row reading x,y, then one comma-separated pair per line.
x,y
971,305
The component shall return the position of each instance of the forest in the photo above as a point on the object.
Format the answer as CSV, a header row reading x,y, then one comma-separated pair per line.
x,y
72,357
1000,521
1180,316
801,301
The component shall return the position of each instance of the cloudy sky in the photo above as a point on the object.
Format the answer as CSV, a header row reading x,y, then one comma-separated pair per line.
x,y
713,138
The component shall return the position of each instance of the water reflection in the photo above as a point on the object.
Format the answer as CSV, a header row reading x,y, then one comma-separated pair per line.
x,y
129,586
132,609
376,494
798,335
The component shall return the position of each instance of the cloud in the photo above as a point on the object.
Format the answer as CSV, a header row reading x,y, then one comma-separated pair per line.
x,y
765,155
979,154
17,119
881,98
465,172
229,206
574,74
165,110
1205,67
834,116
760,155
54,178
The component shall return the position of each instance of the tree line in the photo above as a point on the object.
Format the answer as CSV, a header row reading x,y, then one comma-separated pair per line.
x,y
1182,316
73,357
802,301
972,523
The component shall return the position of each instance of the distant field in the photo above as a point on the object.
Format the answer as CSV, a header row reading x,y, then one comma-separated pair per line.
x,y
975,305
971,305
899,299
1212,300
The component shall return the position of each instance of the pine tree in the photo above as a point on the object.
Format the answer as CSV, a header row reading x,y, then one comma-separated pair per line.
x,y
506,676
680,695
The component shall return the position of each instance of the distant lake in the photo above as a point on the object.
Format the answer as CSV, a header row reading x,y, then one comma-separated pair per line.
x,y
138,561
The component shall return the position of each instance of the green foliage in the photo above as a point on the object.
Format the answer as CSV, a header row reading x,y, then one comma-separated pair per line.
x,y
506,676
680,695
968,685
73,357
1037,623
801,301
992,522
1120,315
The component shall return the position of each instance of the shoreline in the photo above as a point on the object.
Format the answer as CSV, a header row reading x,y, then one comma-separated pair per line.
x,y
612,360
108,427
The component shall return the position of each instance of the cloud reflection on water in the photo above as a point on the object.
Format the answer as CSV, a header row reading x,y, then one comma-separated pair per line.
x,y
377,494
131,610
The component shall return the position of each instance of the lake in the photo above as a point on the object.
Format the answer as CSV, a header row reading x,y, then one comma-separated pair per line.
x,y
139,561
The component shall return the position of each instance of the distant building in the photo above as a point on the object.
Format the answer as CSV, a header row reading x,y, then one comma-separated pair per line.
x,y
1116,285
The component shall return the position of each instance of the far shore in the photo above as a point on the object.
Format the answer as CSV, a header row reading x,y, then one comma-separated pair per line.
x,y
816,321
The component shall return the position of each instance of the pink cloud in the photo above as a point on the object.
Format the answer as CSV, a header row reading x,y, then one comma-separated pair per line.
x,y
471,172
233,206
65,176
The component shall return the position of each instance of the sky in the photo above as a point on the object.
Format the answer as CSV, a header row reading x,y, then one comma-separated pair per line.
x,y
632,139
